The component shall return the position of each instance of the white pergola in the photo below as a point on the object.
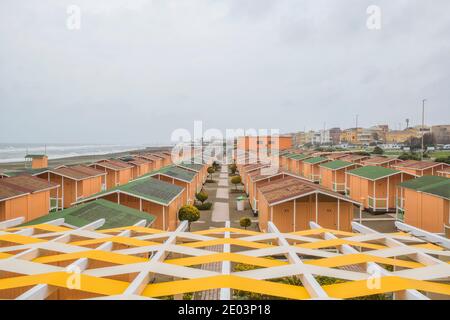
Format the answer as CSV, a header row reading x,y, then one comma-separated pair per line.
x,y
357,259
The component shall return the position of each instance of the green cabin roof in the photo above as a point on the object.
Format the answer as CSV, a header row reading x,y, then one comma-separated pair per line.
x,y
315,160
297,156
177,173
149,188
193,166
115,215
337,164
438,186
373,172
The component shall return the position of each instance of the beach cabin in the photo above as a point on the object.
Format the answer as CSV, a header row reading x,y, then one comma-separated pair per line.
x,y
355,158
444,172
296,163
332,174
25,196
156,197
424,203
115,215
117,172
77,182
247,169
37,161
183,178
381,161
420,168
257,178
375,186
166,159
200,170
140,166
291,203
156,162
336,155
311,168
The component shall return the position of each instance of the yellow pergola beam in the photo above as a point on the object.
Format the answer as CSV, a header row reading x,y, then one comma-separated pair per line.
x,y
232,241
357,258
234,257
226,281
116,239
104,256
338,242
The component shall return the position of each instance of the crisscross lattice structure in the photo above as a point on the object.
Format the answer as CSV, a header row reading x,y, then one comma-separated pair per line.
x,y
53,261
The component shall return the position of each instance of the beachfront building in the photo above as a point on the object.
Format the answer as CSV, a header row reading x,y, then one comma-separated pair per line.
x,y
117,172
36,161
291,203
183,178
77,182
25,196
156,162
140,166
201,171
247,169
115,215
165,157
420,168
375,187
424,203
295,163
311,168
258,178
381,161
156,197
332,174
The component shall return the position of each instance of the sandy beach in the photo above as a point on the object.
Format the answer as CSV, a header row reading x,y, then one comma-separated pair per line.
x,y
81,159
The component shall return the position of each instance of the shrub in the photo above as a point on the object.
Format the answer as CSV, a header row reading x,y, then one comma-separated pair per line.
x,y
204,206
443,159
233,168
201,196
189,213
236,180
409,156
245,222
210,172
377,150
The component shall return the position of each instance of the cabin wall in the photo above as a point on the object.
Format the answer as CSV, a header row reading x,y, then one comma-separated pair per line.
x,y
425,211
326,178
305,211
29,206
90,186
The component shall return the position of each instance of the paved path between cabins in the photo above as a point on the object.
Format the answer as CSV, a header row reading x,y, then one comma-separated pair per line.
x,y
213,294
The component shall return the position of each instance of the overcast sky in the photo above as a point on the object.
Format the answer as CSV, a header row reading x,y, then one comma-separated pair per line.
x,y
138,69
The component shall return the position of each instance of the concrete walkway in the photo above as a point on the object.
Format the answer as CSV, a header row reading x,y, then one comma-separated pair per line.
x,y
221,212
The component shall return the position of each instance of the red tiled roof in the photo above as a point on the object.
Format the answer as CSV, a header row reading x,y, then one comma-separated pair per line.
x,y
379,160
114,164
353,157
415,164
23,184
291,187
78,172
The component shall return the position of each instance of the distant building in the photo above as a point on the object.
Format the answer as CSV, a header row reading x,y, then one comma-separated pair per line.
x,y
256,143
335,135
402,136
441,133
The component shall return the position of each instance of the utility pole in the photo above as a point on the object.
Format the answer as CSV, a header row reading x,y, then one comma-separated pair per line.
x,y
356,127
423,125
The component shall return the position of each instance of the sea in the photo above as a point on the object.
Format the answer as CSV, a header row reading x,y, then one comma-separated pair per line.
x,y
15,152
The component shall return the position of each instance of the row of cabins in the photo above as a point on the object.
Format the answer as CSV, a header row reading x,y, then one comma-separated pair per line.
x,y
377,183
34,192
